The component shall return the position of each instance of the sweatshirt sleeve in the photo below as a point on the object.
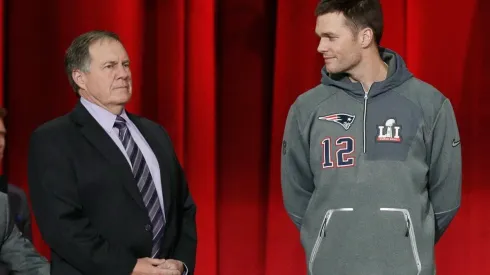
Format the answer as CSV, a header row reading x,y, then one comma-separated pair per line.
x,y
296,176
445,169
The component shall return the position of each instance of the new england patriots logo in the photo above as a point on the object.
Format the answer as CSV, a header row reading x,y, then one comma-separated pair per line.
x,y
344,120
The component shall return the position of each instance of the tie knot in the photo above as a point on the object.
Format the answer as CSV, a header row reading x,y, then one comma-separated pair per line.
x,y
120,123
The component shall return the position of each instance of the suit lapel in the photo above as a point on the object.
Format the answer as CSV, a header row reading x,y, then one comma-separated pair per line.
x,y
100,140
162,157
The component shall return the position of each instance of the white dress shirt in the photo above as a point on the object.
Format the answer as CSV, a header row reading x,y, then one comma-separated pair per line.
x,y
106,120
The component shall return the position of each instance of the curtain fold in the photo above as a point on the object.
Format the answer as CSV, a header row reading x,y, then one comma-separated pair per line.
x,y
245,53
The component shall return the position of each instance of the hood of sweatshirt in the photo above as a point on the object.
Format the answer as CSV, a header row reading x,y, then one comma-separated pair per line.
x,y
397,74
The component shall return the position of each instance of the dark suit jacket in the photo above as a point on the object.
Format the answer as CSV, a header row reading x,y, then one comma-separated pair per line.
x,y
87,204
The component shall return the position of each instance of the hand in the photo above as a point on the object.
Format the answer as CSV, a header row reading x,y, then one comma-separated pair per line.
x,y
146,266
172,265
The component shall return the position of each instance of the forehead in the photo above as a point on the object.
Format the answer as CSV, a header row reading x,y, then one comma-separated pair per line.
x,y
330,22
102,50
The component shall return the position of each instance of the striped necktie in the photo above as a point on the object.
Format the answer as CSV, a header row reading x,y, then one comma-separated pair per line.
x,y
145,182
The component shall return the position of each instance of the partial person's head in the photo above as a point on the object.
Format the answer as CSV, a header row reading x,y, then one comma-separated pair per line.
x,y
3,131
97,66
347,30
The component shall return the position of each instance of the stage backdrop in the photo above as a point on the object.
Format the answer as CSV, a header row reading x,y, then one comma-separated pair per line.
x,y
220,76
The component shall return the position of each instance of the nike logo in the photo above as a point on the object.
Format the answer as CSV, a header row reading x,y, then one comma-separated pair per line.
x,y
455,142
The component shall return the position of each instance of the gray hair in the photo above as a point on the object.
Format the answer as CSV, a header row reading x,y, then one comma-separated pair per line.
x,y
77,56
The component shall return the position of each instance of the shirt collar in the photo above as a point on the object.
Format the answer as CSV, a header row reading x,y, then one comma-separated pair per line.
x,y
105,118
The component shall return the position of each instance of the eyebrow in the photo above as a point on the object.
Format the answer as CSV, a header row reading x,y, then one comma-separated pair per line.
x,y
109,62
326,34
113,62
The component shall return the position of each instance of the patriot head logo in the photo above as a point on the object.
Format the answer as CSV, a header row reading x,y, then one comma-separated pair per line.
x,y
344,120
389,132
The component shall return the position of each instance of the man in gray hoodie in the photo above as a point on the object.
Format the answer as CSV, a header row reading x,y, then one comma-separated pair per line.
x,y
371,159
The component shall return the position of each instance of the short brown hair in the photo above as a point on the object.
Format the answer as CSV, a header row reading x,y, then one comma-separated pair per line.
x,y
77,56
359,14
3,112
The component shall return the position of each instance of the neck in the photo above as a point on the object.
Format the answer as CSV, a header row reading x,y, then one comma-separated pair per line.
x,y
371,69
115,109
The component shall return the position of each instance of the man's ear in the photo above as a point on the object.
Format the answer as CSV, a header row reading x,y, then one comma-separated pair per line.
x,y
79,78
367,37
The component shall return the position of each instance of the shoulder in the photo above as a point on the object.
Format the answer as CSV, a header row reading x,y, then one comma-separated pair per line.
x,y
52,129
423,94
428,99
52,141
154,127
56,124
306,103
148,123
14,189
312,98
18,194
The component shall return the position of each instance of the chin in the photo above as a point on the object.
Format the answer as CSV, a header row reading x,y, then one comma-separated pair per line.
x,y
123,97
126,98
336,69
332,69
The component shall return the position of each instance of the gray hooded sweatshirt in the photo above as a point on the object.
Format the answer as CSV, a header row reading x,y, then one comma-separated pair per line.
x,y
373,179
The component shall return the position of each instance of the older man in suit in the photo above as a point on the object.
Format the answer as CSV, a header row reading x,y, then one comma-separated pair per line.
x,y
107,190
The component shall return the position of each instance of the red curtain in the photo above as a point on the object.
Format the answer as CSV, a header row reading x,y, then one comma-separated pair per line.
x,y
220,76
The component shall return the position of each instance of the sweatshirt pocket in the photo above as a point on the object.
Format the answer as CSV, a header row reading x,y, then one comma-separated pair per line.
x,y
410,234
322,234
375,242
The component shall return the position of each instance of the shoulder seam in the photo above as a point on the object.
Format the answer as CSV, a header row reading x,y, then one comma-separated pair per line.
x,y
303,127
437,117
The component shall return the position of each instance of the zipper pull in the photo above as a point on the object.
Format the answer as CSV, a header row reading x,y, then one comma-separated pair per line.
x,y
323,233
408,228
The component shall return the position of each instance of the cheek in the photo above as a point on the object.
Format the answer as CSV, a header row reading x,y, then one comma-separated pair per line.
x,y
107,81
101,87
340,48
347,51
355,55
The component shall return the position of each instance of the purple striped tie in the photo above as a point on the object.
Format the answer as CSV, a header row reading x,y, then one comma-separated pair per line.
x,y
145,182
